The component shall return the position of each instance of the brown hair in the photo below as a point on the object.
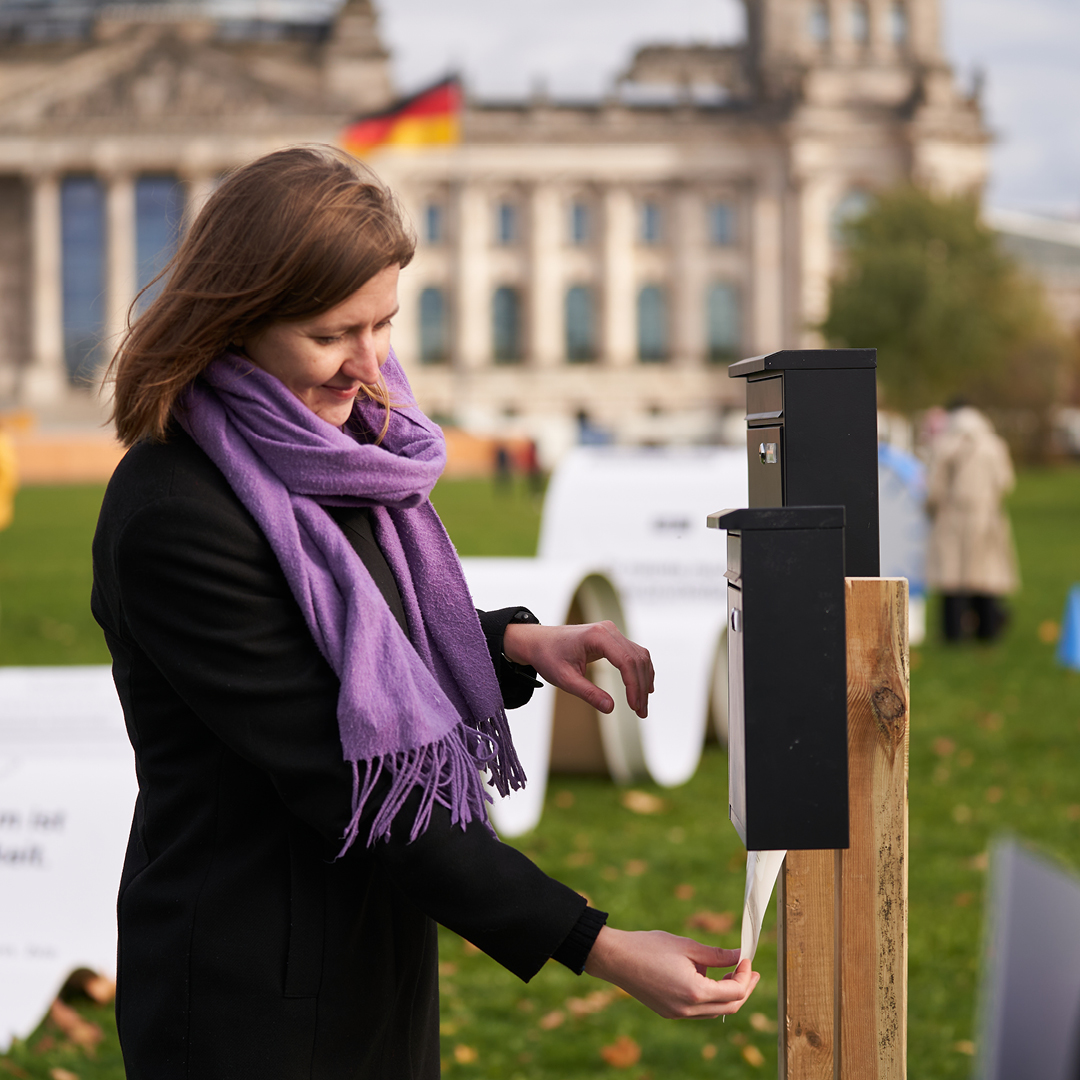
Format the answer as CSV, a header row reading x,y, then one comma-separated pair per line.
x,y
285,237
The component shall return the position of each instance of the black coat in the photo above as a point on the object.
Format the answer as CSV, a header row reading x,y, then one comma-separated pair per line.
x,y
245,949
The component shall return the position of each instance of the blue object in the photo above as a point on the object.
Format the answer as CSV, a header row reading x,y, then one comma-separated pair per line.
x,y
1068,652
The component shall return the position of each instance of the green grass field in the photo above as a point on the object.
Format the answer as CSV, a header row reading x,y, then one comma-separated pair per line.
x,y
994,747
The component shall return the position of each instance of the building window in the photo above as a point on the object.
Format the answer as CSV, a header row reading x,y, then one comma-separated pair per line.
x,y
852,206
82,238
721,224
579,223
652,331
651,222
898,24
433,224
506,325
725,324
580,324
506,223
818,25
159,213
433,335
860,23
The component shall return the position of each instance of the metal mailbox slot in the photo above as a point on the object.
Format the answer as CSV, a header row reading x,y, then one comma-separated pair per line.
x,y
817,410
787,676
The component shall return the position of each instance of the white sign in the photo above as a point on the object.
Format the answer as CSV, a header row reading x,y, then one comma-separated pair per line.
x,y
67,791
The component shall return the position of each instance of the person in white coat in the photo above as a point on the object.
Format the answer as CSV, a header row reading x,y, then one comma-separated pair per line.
x,y
971,558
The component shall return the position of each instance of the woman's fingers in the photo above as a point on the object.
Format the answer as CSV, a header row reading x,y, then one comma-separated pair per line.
x,y
561,655
664,972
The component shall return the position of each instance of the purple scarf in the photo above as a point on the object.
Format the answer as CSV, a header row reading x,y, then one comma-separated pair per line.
x,y
427,711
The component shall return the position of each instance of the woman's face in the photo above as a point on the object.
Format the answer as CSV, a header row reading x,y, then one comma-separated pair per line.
x,y
324,360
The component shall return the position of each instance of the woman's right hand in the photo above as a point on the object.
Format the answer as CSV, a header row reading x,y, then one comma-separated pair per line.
x,y
668,973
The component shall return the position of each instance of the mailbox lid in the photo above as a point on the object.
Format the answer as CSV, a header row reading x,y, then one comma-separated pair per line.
x,y
778,517
805,359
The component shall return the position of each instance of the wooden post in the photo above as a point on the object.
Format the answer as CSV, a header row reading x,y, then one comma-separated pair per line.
x,y
843,915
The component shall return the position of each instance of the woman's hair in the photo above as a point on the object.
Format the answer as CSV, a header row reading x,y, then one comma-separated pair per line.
x,y
285,237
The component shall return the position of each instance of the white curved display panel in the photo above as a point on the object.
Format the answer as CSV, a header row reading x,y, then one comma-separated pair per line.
x,y
67,791
552,590
641,512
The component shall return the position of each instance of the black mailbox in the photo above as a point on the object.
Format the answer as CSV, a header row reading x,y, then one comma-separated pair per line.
x,y
787,676
811,438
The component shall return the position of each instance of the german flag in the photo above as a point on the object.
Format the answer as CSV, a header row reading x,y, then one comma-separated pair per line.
x,y
430,118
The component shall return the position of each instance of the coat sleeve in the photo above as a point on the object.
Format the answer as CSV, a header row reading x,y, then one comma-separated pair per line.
x,y
200,593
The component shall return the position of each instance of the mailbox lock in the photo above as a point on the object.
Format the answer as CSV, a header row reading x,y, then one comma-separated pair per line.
x,y
767,450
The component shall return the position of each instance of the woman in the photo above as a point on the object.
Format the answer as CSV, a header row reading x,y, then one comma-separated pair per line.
x,y
307,687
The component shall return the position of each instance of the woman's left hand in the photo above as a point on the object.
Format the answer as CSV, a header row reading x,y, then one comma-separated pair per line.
x,y
561,654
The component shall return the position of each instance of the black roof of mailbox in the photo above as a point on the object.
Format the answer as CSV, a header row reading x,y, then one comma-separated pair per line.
x,y
778,517
804,359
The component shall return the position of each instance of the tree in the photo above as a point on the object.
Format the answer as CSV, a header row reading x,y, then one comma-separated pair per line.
x,y
926,283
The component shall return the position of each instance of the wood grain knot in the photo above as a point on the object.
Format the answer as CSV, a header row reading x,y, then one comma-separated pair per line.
x,y
814,1039
889,712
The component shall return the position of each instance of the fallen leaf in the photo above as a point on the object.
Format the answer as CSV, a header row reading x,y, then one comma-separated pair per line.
x,y
964,1046
753,1055
943,747
447,969
712,922
980,861
684,892
964,899
760,1022
708,1051
1073,812
525,1005
994,794
992,722
580,858
635,867
738,1039
564,800
63,1074
641,802
80,1031
552,1020
1048,631
622,1053
469,948
961,814
595,1002
465,1055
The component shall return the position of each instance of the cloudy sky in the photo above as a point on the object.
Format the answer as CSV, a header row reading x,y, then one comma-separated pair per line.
x,y
1029,49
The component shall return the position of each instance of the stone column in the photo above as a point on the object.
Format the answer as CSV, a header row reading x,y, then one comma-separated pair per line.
x,y
619,319
688,280
816,198
472,299
545,322
766,329
199,186
121,272
44,381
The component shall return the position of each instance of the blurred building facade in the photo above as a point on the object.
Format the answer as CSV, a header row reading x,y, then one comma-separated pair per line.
x,y
582,267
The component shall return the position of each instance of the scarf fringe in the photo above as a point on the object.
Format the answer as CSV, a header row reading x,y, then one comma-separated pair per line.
x,y
446,772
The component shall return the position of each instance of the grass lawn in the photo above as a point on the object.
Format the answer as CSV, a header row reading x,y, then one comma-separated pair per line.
x,y
995,745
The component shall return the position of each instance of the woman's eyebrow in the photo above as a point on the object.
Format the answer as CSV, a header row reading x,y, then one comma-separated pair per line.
x,y
321,329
